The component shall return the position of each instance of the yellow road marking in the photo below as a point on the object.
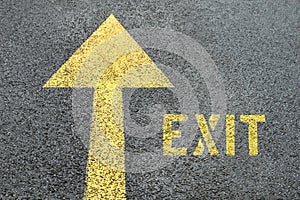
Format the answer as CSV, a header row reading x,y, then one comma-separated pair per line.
x,y
252,121
169,134
230,139
108,61
206,135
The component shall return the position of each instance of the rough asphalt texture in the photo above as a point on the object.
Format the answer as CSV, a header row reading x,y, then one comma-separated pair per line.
x,y
255,45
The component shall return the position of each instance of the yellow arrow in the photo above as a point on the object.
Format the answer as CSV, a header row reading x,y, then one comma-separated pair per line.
x,y
108,61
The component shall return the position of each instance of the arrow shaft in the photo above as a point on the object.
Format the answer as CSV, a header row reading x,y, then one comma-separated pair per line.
x,y
106,162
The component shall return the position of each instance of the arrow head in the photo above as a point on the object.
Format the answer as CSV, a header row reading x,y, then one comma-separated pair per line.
x,y
111,53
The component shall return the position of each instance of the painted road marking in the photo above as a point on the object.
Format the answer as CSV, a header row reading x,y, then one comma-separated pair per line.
x,y
108,61
169,134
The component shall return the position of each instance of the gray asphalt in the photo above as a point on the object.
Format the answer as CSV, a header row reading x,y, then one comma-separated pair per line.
x,y
255,45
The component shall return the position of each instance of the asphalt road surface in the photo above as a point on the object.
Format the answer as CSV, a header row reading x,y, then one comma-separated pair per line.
x,y
255,47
